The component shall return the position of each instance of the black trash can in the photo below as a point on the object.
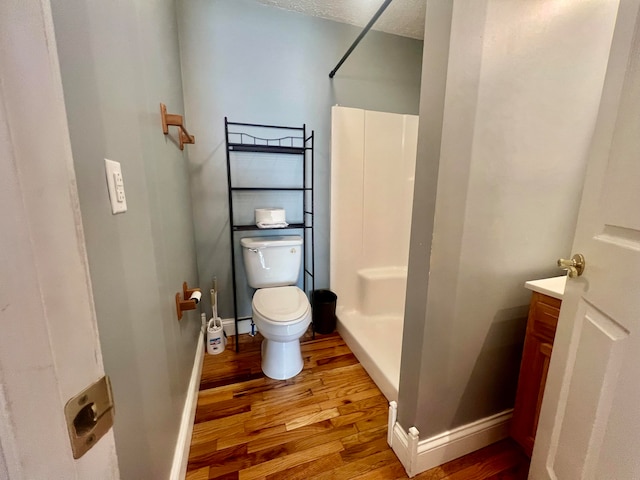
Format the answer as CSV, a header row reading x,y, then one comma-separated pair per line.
x,y
323,303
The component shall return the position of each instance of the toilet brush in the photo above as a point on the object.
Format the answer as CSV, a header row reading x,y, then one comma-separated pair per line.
x,y
214,306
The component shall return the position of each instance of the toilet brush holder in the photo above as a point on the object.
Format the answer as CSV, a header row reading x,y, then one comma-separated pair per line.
x,y
216,340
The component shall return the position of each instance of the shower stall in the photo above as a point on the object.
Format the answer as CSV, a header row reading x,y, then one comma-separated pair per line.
x,y
373,157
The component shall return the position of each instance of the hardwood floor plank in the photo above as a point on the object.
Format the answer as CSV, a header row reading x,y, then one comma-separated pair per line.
x,y
224,476
292,396
207,431
353,469
328,422
218,379
206,439
347,399
309,441
303,443
271,441
345,388
321,341
363,450
261,421
365,436
198,474
342,375
220,461
265,387
214,411
203,448
517,472
231,388
306,470
214,395
335,362
244,437
488,468
392,471
284,392
287,461
226,399
315,358
345,419
373,422
312,418
284,409
377,401
294,399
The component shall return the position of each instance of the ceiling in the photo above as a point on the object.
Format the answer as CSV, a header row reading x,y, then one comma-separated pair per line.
x,y
402,17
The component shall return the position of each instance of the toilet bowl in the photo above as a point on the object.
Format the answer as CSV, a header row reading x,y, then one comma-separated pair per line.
x,y
282,315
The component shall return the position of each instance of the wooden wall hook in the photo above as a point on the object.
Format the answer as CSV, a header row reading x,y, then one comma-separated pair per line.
x,y
172,119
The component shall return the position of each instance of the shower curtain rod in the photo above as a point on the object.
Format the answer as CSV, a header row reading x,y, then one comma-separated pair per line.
x,y
362,34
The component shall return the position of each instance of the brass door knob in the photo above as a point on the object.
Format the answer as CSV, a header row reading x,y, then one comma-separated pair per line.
x,y
575,266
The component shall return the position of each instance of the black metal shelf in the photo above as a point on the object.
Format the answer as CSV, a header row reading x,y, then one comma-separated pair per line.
x,y
291,226
239,147
295,142
269,189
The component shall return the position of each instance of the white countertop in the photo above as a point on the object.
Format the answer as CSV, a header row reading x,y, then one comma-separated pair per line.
x,y
554,286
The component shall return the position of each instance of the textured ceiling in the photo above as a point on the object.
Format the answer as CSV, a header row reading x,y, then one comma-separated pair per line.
x,y
402,17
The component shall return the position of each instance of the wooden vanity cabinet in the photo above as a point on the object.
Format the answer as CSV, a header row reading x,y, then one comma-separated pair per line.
x,y
541,330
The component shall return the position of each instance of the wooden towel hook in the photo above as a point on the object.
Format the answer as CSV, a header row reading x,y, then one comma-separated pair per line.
x,y
172,119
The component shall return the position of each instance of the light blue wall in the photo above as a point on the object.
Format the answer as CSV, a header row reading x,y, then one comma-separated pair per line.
x,y
261,64
119,60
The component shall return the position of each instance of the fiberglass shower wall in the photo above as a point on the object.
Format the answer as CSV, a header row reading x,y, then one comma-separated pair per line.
x,y
373,157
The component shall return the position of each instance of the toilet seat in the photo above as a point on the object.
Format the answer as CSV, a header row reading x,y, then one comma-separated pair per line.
x,y
281,305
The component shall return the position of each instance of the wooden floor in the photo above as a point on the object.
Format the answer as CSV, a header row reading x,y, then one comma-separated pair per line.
x,y
329,422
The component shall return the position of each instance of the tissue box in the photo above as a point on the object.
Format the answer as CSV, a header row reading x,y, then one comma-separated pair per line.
x,y
270,215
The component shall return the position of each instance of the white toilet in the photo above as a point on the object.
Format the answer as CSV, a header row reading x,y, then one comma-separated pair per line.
x,y
281,311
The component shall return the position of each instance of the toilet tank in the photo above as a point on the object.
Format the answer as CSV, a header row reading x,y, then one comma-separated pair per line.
x,y
272,261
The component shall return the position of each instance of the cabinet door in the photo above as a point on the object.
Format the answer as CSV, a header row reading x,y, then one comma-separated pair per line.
x,y
543,317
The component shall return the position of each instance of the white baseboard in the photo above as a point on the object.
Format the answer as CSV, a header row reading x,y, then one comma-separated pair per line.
x,y
244,326
181,454
418,456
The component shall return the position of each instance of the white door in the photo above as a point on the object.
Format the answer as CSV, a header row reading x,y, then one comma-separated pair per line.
x,y
49,349
590,420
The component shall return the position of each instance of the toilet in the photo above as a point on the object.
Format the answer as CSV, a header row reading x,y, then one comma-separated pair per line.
x,y
281,311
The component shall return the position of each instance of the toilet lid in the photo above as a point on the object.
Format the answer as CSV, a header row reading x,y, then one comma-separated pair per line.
x,y
281,304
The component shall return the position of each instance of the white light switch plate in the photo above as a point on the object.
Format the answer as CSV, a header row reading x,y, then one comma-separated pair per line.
x,y
115,183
